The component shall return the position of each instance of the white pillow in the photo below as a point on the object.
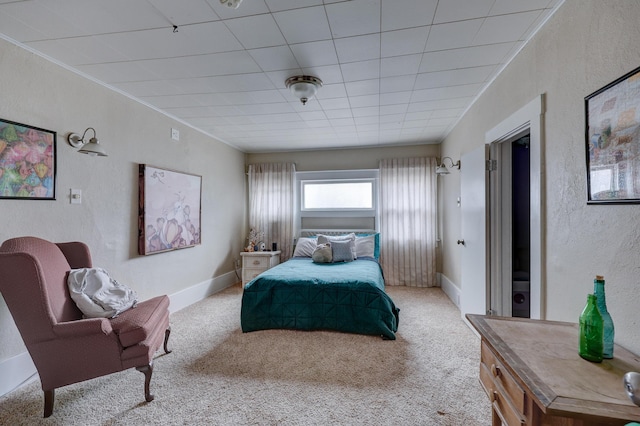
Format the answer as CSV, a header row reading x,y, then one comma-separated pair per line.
x,y
98,295
305,247
323,239
366,246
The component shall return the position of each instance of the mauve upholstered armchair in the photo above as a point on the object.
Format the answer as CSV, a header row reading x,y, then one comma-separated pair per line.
x,y
65,347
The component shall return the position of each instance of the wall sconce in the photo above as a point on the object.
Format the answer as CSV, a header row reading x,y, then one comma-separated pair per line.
x,y
442,168
91,147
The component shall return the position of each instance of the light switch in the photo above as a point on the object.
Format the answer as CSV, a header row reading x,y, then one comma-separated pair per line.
x,y
76,196
175,134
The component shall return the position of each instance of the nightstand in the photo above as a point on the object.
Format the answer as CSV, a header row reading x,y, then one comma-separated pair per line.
x,y
256,262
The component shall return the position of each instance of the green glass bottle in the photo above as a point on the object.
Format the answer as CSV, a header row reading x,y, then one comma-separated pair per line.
x,y
591,331
609,332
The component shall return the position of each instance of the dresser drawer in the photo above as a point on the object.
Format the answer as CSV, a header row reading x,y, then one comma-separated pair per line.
x,y
499,375
500,400
260,262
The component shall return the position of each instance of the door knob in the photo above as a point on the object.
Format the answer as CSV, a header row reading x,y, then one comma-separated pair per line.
x,y
460,242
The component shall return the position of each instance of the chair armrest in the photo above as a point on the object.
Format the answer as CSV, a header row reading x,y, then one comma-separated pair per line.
x,y
77,254
83,327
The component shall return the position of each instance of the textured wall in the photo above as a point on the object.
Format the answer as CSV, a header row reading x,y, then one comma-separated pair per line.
x,y
585,46
40,93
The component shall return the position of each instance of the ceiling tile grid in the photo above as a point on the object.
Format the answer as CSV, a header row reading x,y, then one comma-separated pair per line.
x,y
394,73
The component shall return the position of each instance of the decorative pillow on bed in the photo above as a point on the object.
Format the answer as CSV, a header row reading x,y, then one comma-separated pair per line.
x,y
351,238
323,253
342,251
376,244
365,246
305,247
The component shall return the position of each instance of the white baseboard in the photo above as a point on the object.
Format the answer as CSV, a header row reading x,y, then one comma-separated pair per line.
x,y
17,371
20,370
450,289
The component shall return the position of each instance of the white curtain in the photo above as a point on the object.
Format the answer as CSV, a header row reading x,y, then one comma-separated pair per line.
x,y
408,203
271,191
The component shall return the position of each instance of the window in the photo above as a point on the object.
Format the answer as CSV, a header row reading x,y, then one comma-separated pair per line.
x,y
337,195
337,199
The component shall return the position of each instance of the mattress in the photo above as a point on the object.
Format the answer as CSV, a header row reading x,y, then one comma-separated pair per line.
x,y
302,295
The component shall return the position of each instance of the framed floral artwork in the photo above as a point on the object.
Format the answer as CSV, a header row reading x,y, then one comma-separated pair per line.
x,y
613,142
168,210
27,162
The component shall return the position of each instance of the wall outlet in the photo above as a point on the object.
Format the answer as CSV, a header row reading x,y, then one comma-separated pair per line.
x,y
237,263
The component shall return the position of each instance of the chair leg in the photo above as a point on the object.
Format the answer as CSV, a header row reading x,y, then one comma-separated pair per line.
x,y
166,340
147,370
49,396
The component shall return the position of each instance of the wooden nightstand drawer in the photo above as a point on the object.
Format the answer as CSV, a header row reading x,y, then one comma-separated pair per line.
x,y
499,375
256,262
249,274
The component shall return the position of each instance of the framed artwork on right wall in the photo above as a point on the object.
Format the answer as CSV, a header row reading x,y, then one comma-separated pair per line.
x,y
612,138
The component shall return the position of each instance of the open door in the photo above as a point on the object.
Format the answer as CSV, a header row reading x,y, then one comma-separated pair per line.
x,y
473,241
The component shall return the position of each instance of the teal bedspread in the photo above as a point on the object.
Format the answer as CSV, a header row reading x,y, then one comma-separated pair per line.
x,y
302,295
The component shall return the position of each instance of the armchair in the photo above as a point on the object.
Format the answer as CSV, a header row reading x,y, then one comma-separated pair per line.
x,y
65,347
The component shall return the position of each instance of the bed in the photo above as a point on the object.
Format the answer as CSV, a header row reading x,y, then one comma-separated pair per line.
x,y
300,294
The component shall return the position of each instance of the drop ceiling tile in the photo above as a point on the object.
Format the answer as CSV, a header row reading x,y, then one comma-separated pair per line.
x,y
185,11
453,35
400,65
393,109
313,116
465,57
356,17
256,31
453,77
329,74
334,103
503,7
397,84
358,71
395,98
339,113
364,101
363,87
409,13
366,112
445,93
500,29
359,48
303,25
279,5
315,54
404,42
435,105
274,58
367,120
460,10
329,91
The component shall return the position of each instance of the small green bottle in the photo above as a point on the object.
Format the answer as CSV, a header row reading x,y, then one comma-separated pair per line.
x,y
609,330
591,331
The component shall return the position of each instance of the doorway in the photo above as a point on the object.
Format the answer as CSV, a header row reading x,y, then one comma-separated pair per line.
x,y
520,228
516,255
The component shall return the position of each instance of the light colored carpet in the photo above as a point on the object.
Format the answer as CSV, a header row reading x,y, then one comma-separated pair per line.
x,y
217,375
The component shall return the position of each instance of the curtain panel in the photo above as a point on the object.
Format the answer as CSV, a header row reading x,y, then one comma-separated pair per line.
x,y
408,224
271,192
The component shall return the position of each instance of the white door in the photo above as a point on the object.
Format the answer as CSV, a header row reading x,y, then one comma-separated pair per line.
x,y
473,241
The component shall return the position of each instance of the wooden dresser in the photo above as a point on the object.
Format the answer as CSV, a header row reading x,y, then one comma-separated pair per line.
x,y
256,262
533,375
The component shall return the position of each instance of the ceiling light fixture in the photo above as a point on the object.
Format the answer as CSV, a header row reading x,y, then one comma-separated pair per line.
x,y
303,87
91,147
231,3
443,170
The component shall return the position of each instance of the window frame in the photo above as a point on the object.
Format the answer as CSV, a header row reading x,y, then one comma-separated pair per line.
x,y
305,182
